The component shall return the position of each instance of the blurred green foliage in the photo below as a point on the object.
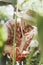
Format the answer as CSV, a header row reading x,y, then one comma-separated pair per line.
x,y
3,38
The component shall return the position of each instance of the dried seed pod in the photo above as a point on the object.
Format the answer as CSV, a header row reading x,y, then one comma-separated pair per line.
x,y
10,28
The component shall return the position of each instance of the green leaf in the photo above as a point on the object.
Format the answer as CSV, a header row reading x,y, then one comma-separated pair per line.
x,y
40,35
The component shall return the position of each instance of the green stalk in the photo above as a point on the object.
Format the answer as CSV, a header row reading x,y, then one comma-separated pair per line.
x,y
14,47
29,57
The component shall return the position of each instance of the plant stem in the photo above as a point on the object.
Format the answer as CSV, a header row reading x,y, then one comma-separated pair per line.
x,y
29,57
